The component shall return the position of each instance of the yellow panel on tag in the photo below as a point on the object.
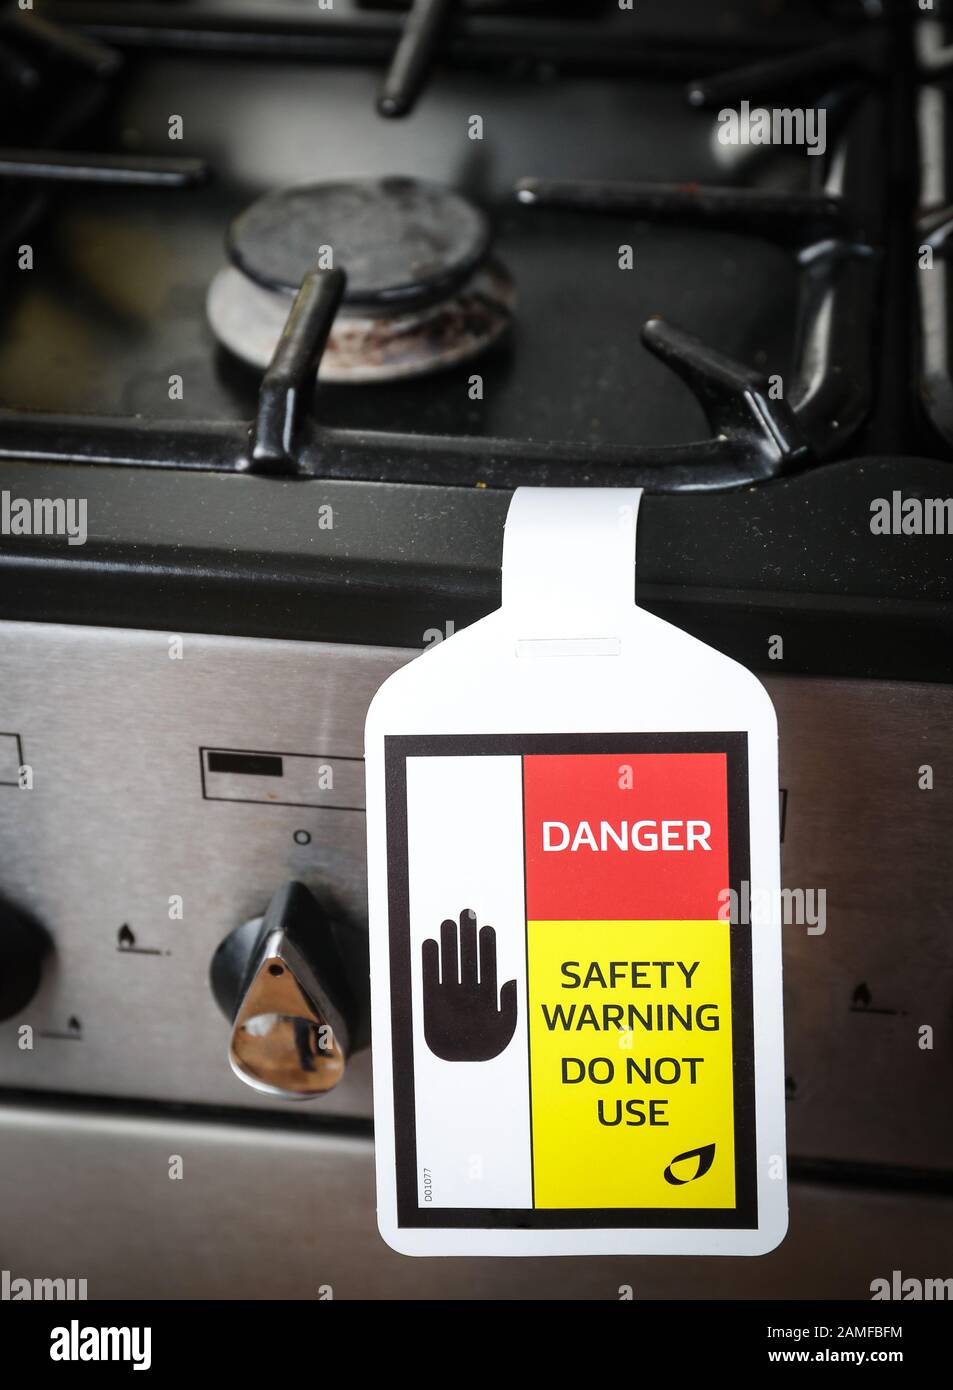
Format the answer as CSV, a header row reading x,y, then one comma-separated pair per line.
x,y
631,1064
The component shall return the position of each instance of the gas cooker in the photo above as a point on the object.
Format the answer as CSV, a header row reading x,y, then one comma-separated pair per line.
x,y
737,327
721,359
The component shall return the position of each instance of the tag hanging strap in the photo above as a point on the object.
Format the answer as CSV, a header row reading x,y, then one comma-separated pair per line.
x,y
569,565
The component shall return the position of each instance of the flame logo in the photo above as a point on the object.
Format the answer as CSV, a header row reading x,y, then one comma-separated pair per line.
x,y
704,1158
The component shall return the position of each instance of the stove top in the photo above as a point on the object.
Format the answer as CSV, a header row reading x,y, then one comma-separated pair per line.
x,y
607,273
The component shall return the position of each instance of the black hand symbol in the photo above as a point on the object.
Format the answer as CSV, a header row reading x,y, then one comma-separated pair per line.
x,y
463,1020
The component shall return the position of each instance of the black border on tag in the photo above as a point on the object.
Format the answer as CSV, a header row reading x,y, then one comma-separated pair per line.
x,y
397,749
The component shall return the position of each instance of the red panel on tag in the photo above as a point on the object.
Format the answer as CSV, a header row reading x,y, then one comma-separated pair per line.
x,y
611,837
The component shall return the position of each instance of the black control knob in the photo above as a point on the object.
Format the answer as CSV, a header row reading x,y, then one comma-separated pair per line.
x,y
23,945
282,983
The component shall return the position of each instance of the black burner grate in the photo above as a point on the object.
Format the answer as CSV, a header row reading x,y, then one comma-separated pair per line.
x,y
832,232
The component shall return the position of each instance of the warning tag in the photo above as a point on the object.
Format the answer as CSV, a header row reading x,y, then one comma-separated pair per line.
x,y
629,985
566,1053
592,980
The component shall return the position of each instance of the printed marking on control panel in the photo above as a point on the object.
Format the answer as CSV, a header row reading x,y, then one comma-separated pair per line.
x,y
73,1032
11,759
862,1003
126,944
267,778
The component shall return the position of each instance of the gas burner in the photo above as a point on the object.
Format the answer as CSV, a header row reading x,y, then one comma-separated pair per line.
x,y
423,292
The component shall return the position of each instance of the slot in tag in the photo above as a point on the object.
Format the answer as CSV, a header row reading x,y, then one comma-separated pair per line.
x,y
577,1044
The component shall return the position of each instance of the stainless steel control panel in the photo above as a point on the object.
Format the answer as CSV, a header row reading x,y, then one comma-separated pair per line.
x,y
178,780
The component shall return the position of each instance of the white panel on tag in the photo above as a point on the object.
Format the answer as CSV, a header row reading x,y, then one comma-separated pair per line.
x,y
573,870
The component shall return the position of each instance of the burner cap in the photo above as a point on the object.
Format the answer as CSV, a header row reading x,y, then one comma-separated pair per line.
x,y
401,241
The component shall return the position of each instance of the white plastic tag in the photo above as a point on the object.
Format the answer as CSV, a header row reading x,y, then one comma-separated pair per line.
x,y
573,867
